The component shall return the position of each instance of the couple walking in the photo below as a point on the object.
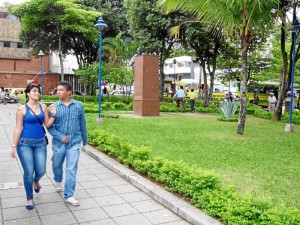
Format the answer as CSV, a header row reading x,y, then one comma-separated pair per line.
x,y
66,123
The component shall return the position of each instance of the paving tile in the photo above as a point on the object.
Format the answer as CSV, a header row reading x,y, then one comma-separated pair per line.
x,y
90,215
87,203
99,170
127,188
7,179
136,219
135,196
95,165
100,222
119,210
65,218
147,206
47,198
107,175
80,194
161,216
9,193
109,200
51,208
92,184
18,213
102,191
85,178
24,221
84,172
115,182
13,202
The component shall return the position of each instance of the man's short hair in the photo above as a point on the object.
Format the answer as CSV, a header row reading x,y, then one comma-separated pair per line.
x,y
66,84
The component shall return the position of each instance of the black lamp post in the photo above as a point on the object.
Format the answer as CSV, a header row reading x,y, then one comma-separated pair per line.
x,y
41,54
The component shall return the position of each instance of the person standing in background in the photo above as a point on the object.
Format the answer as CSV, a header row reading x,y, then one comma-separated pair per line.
x,y
272,102
192,97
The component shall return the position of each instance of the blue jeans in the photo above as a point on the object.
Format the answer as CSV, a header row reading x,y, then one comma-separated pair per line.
x,y
192,104
71,155
33,155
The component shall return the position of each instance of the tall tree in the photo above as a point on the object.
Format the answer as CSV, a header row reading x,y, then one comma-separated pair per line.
x,y
242,18
150,28
52,24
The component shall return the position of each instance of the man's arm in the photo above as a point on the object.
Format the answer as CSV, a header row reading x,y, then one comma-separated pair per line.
x,y
83,127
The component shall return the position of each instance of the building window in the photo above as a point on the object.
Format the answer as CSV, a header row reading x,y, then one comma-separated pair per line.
x,y
6,44
20,45
1,44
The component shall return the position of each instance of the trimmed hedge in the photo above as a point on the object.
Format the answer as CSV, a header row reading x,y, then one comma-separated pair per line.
x,y
202,188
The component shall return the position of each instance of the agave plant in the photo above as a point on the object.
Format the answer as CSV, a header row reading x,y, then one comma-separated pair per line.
x,y
228,108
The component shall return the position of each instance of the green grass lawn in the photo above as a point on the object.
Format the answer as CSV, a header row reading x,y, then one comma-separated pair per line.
x,y
264,162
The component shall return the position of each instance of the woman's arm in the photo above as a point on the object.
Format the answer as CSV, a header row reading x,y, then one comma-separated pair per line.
x,y
18,130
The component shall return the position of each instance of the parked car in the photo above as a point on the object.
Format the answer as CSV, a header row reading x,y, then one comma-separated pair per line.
x,y
74,92
122,93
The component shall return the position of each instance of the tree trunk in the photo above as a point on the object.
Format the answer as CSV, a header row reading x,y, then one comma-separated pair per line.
x,y
162,78
245,43
205,88
283,76
60,52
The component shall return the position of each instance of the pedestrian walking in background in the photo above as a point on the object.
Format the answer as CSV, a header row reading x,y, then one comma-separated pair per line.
x,y
29,140
272,102
2,96
180,95
255,99
68,131
192,97
105,91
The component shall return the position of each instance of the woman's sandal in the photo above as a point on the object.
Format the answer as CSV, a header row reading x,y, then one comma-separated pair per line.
x,y
37,190
29,207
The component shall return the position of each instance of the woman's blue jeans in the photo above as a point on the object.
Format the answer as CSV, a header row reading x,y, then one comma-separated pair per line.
x,y
71,155
33,155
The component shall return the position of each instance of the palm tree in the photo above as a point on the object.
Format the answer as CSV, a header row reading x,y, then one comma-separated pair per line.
x,y
244,19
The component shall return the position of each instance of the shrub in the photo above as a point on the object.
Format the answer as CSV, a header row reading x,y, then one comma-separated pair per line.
x,y
228,108
203,189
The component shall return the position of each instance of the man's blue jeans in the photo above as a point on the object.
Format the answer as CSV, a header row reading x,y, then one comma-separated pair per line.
x,y
33,155
71,155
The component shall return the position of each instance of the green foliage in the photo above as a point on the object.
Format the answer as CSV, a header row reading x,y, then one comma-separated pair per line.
x,y
228,108
263,114
58,25
201,187
231,119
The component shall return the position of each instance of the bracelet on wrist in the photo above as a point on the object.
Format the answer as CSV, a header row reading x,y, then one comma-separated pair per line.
x,y
13,146
53,116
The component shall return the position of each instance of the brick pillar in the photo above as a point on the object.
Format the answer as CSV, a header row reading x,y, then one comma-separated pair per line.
x,y
146,86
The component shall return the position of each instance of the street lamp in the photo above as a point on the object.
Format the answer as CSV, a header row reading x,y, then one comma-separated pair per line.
x,y
41,54
174,61
101,25
295,29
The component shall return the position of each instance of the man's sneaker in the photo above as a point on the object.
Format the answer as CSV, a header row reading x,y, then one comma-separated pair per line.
x,y
58,187
72,201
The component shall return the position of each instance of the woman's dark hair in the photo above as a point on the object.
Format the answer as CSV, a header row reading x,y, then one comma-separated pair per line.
x,y
29,88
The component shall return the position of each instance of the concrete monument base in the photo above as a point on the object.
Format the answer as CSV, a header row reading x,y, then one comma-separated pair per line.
x,y
289,128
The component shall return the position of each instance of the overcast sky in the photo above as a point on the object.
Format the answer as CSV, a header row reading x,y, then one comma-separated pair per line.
x,y
14,2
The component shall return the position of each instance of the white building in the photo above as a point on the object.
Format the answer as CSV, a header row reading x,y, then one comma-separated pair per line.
x,y
184,71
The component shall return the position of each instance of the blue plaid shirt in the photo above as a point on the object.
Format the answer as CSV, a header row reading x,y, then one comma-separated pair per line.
x,y
70,122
